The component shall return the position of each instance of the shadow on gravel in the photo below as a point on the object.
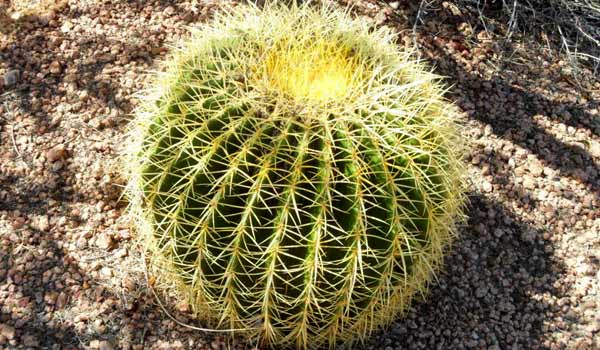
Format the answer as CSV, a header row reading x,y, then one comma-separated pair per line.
x,y
492,283
508,106
39,288
33,198
31,51
40,279
36,263
477,97
571,160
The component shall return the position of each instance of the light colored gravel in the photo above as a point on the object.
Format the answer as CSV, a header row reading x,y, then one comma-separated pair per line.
x,y
523,274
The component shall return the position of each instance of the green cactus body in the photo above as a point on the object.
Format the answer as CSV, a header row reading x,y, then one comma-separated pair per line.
x,y
305,204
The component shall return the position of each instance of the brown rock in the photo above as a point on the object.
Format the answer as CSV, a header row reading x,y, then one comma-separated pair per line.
x,y
7,331
101,345
105,242
55,67
11,77
50,298
61,300
528,183
30,341
128,283
536,169
57,152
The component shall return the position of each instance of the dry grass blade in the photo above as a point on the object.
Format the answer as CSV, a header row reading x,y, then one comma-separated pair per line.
x,y
576,23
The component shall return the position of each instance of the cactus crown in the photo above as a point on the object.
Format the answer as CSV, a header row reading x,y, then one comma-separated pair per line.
x,y
295,174
314,70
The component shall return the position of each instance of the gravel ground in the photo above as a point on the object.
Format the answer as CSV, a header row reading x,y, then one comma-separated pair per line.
x,y
524,273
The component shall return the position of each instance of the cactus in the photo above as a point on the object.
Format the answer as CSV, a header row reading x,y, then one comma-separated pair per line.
x,y
294,174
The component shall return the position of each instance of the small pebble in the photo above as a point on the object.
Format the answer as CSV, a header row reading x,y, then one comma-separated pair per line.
x,y
11,77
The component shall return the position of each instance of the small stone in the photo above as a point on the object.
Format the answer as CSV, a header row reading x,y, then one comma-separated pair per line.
x,y
11,77
81,243
215,345
395,4
41,223
94,123
595,149
129,284
488,130
30,341
7,331
486,186
50,298
57,152
17,15
83,95
536,169
107,122
99,326
381,17
66,27
55,67
121,253
56,166
183,307
106,272
528,183
104,242
61,300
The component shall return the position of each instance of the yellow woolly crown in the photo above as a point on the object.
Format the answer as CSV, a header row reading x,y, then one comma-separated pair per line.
x,y
315,70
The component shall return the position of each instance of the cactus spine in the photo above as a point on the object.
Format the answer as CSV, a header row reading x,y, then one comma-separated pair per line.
x,y
295,174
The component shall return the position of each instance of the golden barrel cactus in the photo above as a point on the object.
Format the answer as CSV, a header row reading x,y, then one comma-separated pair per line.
x,y
294,174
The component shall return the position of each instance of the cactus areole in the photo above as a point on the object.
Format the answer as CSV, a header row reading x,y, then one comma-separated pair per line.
x,y
295,174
